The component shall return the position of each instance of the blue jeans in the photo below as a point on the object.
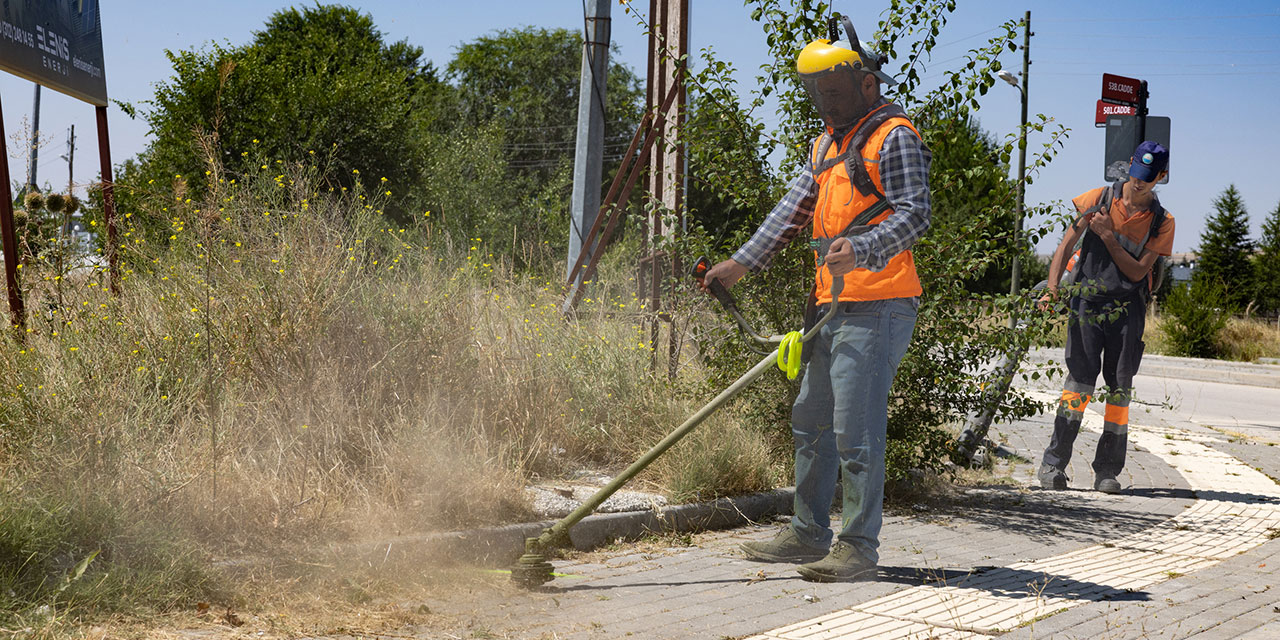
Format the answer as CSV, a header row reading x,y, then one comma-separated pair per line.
x,y
840,418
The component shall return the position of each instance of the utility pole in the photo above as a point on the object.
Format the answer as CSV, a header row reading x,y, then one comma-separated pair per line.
x,y
71,158
1016,275
973,444
588,158
35,140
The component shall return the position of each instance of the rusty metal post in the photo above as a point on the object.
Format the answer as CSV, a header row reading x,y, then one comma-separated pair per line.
x,y
10,239
108,199
668,44
651,229
615,208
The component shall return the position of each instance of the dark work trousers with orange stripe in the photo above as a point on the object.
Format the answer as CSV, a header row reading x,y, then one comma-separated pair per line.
x,y
1102,337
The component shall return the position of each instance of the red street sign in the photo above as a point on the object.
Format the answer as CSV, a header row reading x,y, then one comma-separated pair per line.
x,y
1107,109
1119,89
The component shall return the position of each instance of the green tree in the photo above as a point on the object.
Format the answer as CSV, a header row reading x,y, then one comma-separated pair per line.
x,y
318,85
503,173
730,178
526,81
969,176
1225,248
1266,265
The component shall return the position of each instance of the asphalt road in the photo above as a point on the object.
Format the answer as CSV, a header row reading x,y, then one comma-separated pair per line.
x,y
1232,408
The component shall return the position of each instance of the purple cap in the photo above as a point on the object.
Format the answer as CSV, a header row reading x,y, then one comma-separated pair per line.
x,y
1149,160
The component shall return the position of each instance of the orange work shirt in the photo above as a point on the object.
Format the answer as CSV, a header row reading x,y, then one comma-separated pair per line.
x,y
1132,226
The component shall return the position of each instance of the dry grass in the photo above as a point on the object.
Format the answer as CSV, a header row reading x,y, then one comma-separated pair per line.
x,y
294,367
1248,340
1243,339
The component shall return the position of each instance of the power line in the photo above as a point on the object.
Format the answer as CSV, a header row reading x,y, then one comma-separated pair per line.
x,y
556,146
1207,74
1248,16
959,40
1176,65
1182,51
1164,38
543,128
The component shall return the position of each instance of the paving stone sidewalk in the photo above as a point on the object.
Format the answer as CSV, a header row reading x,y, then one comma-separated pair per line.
x,y
974,543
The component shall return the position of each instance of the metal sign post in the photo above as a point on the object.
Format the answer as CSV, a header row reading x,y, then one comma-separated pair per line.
x,y
57,44
1124,134
108,198
1123,111
10,239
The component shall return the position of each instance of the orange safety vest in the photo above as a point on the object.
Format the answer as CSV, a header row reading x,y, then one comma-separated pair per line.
x,y
839,202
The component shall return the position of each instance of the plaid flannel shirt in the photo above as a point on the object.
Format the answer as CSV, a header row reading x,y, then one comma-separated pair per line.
x,y
904,174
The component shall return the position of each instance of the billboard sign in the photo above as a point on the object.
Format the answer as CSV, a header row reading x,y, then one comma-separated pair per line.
x,y
1106,110
57,44
1122,139
1119,89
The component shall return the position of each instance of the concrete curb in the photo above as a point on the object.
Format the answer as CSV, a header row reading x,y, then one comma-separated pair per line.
x,y
1212,374
1227,372
497,546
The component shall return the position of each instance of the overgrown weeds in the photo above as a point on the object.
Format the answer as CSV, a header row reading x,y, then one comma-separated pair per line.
x,y
285,365
1239,339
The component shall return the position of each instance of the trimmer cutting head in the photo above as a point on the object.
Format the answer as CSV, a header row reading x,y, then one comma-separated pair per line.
x,y
532,570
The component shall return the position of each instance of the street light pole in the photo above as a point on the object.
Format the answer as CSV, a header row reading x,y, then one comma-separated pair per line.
x,y
1016,272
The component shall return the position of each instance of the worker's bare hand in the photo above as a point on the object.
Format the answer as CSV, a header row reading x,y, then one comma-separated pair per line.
x,y
1101,224
728,273
840,257
1045,303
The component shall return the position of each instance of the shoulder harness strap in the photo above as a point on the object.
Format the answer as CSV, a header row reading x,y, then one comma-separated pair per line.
x,y
1103,204
1157,218
852,154
858,175
853,163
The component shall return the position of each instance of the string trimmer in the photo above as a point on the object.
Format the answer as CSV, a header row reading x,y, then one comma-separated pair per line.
x,y
533,569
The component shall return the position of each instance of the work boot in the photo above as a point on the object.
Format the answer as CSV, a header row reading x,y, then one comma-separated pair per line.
x,y
786,547
842,564
1106,484
1052,478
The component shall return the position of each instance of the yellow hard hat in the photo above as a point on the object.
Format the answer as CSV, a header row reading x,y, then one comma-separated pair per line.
x,y
821,55
825,55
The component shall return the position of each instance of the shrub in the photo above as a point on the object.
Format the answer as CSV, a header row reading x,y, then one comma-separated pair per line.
x,y
1197,313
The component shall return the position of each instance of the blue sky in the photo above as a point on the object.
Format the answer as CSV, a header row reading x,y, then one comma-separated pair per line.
x,y
1213,68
